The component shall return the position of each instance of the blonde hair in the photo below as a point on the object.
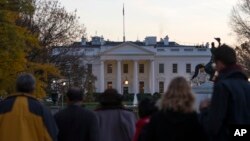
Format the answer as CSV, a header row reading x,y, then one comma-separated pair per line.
x,y
178,97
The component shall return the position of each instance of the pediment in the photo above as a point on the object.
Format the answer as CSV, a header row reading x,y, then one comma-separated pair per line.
x,y
128,48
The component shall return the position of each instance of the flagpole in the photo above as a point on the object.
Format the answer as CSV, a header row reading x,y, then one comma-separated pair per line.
x,y
123,12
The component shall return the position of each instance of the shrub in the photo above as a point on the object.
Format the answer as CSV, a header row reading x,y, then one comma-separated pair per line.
x,y
128,97
156,96
89,97
142,96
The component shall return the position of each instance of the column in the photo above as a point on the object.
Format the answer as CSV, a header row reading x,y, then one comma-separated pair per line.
x,y
102,76
152,76
135,82
118,73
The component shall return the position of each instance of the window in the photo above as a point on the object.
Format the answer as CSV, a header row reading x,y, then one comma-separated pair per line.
x,y
175,68
89,50
141,68
125,90
159,50
202,49
175,49
125,68
141,87
188,68
161,87
109,68
89,67
109,86
188,49
161,68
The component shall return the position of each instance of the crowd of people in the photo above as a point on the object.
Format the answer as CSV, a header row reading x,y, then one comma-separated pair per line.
x,y
172,117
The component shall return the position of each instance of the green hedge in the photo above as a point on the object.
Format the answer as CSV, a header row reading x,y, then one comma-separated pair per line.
x,y
126,97
142,96
156,96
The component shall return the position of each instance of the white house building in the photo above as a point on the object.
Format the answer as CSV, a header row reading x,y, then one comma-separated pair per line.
x,y
138,67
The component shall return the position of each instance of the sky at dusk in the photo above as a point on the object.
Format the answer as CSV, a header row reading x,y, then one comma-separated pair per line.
x,y
185,21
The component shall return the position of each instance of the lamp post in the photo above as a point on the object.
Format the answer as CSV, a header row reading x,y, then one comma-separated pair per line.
x,y
126,83
63,84
54,93
69,75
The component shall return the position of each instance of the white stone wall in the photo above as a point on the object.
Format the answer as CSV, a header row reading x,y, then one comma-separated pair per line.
x,y
165,77
128,52
168,69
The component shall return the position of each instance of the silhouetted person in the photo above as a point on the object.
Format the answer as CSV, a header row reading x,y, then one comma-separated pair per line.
x,y
145,109
76,123
23,117
177,119
230,99
115,122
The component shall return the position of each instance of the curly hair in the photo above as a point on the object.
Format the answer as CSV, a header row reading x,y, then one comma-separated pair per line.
x,y
226,55
178,98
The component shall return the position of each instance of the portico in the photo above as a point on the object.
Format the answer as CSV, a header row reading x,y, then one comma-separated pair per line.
x,y
130,63
136,81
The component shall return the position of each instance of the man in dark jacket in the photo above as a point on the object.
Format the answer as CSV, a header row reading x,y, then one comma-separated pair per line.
x,y
23,117
76,123
231,97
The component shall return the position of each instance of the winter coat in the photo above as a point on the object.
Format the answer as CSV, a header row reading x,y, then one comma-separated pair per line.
x,y
173,126
230,104
116,124
24,118
76,123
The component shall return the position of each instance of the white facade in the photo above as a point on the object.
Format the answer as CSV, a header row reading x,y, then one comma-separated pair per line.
x,y
174,61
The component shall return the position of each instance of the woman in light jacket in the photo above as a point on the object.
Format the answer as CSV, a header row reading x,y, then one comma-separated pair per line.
x,y
115,122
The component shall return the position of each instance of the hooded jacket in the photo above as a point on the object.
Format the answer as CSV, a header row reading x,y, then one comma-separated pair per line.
x,y
173,126
229,105
24,118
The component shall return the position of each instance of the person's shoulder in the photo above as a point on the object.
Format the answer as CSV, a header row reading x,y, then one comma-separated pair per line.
x,y
88,112
79,109
87,115
35,103
36,107
127,112
157,115
7,104
61,112
7,100
161,114
193,115
220,84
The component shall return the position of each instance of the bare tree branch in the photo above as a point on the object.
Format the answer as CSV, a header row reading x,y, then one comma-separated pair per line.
x,y
240,22
54,26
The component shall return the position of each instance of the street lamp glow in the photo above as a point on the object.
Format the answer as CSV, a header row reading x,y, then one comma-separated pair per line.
x,y
126,82
64,83
54,81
